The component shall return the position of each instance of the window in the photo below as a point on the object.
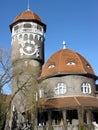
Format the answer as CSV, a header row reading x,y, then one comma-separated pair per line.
x,y
39,27
27,25
60,88
31,37
87,66
20,36
86,88
25,37
36,37
71,63
51,66
16,28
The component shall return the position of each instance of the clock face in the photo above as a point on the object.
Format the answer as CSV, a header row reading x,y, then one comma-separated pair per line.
x,y
29,48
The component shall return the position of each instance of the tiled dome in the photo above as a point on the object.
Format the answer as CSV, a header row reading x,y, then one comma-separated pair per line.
x,y
66,61
28,14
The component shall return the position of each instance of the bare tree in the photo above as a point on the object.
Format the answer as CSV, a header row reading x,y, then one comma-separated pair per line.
x,y
5,69
27,88
5,80
25,93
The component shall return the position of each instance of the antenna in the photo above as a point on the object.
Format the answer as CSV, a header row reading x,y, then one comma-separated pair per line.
x,y
64,45
28,5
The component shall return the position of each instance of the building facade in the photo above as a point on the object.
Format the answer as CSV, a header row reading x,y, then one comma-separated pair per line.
x,y
66,83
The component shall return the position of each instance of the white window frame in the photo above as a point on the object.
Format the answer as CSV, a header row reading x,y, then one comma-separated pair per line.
x,y
86,88
60,88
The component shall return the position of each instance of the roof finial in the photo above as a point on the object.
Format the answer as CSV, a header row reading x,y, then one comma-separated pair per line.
x,y
64,45
28,5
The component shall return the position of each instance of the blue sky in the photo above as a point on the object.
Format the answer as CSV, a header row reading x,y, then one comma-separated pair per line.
x,y
75,21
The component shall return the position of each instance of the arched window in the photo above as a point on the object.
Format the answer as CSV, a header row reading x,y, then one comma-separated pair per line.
x,y
36,37
60,88
25,37
20,36
31,37
86,88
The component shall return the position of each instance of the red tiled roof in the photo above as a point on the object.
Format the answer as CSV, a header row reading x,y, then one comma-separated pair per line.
x,y
71,102
60,61
28,14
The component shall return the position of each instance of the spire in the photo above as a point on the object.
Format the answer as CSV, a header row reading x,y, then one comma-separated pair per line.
x,y
28,8
64,45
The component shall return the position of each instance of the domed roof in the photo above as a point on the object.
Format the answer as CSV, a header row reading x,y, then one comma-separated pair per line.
x,y
66,61
28,14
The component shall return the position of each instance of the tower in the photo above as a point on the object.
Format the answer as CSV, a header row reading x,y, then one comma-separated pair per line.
x,y
28,37
27,56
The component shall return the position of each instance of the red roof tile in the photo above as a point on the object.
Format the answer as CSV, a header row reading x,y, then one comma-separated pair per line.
x,y
66,61
71,102
28,14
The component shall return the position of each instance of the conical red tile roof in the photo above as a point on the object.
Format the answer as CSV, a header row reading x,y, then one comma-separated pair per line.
x,y
28,14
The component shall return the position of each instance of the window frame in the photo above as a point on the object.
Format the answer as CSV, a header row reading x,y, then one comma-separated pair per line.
x,y
30,26
60,88
86,88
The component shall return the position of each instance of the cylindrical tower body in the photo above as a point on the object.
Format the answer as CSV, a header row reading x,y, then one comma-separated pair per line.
x,y
27,58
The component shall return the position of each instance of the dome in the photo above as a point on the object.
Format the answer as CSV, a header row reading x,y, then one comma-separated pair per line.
x,y
66,61
28,14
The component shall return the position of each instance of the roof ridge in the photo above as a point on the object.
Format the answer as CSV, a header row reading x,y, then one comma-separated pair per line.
x,y
59,60
78,55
